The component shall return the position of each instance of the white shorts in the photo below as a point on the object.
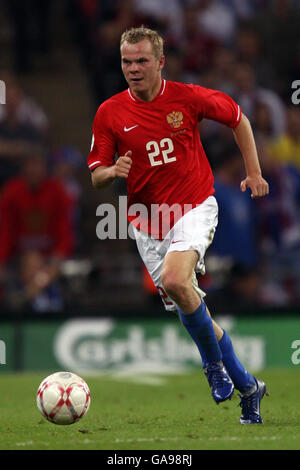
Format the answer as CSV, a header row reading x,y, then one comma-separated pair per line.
x,y
194,231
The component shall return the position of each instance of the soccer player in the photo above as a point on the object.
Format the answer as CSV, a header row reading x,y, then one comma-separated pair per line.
x,y
152,127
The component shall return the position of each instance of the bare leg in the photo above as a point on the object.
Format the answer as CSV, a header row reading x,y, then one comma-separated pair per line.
x,y
176,277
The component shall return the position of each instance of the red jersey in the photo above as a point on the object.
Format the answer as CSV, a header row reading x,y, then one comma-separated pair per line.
x,y
34,219
169,165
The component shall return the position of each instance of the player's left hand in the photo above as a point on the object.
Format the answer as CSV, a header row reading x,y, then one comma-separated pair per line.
x,y
258,185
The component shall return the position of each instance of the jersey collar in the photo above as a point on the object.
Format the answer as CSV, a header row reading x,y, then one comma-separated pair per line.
x,y
160,93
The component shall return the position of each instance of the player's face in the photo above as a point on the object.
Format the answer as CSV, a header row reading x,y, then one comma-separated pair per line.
x,y
142,70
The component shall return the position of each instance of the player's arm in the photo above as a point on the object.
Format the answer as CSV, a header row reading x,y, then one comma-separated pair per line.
x,y
101,159
104,176
245,140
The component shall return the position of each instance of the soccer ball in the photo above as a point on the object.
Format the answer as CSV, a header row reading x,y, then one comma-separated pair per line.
x,y
63,398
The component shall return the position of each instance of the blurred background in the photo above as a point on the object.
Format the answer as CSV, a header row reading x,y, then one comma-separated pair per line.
x,y
59,60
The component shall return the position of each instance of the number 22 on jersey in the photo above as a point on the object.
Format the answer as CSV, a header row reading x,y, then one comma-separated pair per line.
x,y
159,152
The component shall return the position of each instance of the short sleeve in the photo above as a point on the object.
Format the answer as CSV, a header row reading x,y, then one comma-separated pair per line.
x,y
217,106
103,145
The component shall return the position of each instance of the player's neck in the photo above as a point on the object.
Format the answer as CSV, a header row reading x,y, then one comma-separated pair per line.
x,y
150,94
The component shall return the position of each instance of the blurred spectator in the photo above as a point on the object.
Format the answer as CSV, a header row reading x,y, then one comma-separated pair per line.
x,y
106,75
66,163
248,94
279,212
34,217
240,292
25,108
22,128
236,235
247,288
278,26
246,9
197,46
215,139
31,21
216,20
35,287
167,20
103,23
84,15
280,223
174,68
286,148
248,48
223,64
262,122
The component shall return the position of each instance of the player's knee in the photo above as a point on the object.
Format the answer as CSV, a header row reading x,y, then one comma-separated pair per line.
x,y
175,286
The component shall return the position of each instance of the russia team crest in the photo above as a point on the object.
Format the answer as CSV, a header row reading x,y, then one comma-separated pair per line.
x,y
175,119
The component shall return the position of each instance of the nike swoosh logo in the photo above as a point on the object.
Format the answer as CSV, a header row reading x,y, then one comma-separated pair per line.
x,y
177,241
127,129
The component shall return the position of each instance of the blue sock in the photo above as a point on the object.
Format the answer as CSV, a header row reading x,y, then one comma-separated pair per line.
x,y
200,327
240,377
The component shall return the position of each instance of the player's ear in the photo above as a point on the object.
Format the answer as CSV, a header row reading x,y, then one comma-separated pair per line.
x,y
161,62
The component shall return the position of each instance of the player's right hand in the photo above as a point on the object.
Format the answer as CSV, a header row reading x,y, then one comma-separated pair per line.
x,y
123,165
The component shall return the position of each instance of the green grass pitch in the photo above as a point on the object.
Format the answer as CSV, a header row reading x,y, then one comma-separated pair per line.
x,y
177,414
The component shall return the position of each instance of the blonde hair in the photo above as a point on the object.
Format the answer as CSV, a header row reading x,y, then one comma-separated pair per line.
x,y
135,35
